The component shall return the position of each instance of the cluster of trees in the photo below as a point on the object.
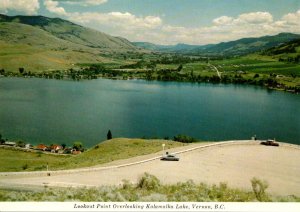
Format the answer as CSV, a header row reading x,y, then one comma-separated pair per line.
x,y
284,48
184,139
295,59
92,72
281,50
174,75
78,146
138,65
179,59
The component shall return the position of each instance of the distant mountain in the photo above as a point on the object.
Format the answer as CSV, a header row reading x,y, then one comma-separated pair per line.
x,y
248,45
239,47
39,43
178,48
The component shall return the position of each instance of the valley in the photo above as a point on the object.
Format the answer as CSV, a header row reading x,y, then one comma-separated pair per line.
x,y
37,46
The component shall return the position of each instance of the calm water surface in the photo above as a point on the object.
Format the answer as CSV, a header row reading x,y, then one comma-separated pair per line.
x,y
53,111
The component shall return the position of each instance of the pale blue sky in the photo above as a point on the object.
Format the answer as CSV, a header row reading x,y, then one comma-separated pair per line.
x,y
171,21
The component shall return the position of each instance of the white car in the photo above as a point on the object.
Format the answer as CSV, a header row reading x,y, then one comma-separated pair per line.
x,y
170,157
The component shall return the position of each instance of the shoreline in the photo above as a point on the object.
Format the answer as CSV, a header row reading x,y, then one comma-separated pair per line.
x,y
69,78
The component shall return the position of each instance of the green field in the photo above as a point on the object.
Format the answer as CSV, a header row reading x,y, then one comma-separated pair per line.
x,y
247,67
115,149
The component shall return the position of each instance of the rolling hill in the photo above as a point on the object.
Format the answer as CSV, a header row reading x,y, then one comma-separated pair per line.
x,y
178,48
40,43
239,47
291,47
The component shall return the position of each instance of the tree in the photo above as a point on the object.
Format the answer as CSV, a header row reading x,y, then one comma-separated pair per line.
x,y
78,146
184,139
1,140
21,70
63,146
256,76
179,68
21,144
109,135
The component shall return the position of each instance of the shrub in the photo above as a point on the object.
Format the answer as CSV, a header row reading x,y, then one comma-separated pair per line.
x,y
127,185
184,139
25,166
149,189
21,144
259,188
78,146
148,182
154,197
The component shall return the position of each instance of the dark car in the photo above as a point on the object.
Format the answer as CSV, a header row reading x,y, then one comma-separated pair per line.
x,y
269,142
170,157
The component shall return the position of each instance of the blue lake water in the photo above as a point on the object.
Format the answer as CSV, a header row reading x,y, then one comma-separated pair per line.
x,y
54,111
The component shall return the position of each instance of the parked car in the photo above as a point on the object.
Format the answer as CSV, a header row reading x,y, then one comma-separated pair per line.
x,y
170,157
269,142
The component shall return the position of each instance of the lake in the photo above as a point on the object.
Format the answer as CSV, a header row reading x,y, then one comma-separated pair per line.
x,y
54,111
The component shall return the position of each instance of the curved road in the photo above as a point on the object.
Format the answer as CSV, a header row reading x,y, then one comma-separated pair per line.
x,y
234,162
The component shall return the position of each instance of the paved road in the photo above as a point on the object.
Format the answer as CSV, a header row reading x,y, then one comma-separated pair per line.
x,y
219,74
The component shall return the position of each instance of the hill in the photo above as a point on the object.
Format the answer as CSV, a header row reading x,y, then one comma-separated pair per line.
x,y
238,47
249,45
291,48
116,149
41,43
178,48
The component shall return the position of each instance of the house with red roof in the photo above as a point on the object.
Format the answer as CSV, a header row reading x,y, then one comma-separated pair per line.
x,y
41,147
54,148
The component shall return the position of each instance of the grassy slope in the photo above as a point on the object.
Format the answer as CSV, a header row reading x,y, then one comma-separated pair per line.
x,y
36,50
54,47
116,149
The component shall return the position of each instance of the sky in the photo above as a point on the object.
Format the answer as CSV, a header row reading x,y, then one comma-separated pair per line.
x,y
170,22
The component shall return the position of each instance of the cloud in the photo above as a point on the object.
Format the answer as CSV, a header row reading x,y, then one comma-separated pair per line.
x,y
52,6
85,2
222,20
153,29
226,28
292,18
28,7
255,18
117,20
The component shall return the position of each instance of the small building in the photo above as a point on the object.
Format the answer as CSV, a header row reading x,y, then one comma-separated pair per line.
x,y
61,151
42,147
10,143
28,146
55,148
68,150
75,152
